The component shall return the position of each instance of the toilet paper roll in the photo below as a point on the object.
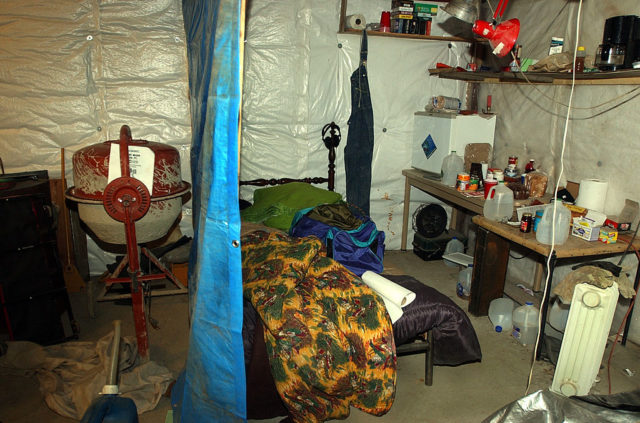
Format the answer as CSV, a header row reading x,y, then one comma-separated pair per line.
x,y
592,194
356,21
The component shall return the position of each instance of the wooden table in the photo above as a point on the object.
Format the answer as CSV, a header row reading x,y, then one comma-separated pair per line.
x,y
419,179
493,242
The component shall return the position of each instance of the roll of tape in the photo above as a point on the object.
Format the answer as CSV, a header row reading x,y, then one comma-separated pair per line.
x,y
592,194
356,21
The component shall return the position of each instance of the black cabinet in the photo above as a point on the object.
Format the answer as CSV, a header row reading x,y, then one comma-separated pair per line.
x,y
33,296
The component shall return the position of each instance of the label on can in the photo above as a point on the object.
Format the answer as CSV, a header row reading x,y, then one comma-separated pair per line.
x,y
462,185
513,160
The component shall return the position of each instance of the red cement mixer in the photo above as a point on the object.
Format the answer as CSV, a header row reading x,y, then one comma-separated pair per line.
x,y
130,192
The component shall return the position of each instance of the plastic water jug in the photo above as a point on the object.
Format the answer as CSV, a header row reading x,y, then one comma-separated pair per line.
x,y
525,324
451,166
463,288
499,203
545,226
500,314
453,246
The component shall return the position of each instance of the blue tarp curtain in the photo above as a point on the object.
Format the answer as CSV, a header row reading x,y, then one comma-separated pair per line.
x,y
212,388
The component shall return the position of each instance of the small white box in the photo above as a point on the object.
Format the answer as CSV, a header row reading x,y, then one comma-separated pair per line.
x,y
585,228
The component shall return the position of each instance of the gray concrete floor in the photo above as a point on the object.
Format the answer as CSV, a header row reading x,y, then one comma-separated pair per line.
x,y
466,393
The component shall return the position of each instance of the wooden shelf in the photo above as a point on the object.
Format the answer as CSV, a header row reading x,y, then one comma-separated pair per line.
x,y
624,77
406,36
343,30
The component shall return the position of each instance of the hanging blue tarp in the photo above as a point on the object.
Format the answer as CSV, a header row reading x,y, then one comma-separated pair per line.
x,y
212,388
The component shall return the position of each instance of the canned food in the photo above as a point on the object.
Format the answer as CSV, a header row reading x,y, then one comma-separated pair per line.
x,y
473,184
513,160
498,175
463,176
462,185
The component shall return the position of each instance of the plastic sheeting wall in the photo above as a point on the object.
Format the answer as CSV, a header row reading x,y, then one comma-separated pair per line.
x,y
600,143
73,72
297,79
297,73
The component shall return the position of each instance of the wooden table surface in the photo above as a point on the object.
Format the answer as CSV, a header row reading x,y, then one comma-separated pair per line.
x,y
573,247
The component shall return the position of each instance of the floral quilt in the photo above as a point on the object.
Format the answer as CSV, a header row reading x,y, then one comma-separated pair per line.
x,y
328,336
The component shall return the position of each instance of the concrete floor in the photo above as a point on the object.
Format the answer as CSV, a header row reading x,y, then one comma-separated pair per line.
x,y
466,393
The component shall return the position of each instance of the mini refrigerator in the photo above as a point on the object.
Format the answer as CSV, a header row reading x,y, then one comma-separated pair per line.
x,y
447,132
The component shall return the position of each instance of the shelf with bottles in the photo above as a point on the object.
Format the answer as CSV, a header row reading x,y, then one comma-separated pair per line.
x,y
342,29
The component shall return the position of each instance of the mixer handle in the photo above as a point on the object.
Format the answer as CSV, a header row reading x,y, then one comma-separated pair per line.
x,y
125,140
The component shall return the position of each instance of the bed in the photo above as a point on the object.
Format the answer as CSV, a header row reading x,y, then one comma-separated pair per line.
x,y
317,340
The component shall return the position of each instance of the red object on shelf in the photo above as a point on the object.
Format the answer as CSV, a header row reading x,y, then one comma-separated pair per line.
x,y
502,38
385,22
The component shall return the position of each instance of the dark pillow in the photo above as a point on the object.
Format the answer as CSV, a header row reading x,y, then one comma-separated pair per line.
x,y
455,339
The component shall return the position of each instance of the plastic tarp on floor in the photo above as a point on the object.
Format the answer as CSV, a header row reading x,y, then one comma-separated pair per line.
x,y
213,385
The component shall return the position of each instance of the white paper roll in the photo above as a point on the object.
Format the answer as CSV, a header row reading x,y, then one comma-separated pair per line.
x,y
592,194
394,296
356,21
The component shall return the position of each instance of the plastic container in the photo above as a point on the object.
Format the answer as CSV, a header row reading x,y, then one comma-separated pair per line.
x,y
580,56
544,229
463,288
451,166
499,203
501,314
453,246
525,324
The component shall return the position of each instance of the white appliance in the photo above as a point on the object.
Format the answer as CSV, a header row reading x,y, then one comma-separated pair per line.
x,y
585,338
449,131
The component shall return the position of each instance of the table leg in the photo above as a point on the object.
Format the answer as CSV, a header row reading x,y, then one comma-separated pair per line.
x,y
405,214
490,262
628,323
544,306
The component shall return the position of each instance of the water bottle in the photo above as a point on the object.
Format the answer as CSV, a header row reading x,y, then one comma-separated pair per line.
x,y
451,166
453,246
525,323
500,314
545,226
499,203
463,288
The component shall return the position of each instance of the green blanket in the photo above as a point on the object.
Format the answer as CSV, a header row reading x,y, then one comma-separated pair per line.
x,y
276,206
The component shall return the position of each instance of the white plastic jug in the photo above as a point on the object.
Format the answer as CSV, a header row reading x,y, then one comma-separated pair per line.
x,y
451,166
463,288
500,314
453,246
545,227
499,203
525,324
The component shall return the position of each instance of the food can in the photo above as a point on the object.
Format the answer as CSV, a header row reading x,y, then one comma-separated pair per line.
x,y
498,175
463,176
513,160
473,184
525,223
462,185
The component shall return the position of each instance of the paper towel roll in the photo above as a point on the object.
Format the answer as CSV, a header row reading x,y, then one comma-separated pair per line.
x,y
592,194
394,296
356,21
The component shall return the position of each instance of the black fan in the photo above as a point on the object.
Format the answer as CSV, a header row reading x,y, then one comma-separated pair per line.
x,y
430,220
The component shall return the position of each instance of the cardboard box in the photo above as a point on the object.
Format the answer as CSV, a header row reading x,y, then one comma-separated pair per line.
x,y
585,228
608,235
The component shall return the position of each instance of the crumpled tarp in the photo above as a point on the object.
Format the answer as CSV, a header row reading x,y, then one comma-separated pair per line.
x,y
549,407
71,375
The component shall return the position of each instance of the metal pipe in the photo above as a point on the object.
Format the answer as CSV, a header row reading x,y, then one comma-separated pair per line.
x,y
115,350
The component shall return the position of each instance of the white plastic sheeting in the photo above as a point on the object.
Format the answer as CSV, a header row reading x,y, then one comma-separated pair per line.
x,y
297,73
601,143
73,72
297,79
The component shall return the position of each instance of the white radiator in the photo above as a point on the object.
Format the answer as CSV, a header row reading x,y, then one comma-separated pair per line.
x,y
585,338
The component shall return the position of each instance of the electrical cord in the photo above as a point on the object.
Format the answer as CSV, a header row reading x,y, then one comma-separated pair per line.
x,y
547,284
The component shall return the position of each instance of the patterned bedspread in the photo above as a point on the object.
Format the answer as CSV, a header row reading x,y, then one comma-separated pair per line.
x,y
328,335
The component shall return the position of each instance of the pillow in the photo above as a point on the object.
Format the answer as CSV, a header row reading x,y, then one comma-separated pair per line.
x,y
276,206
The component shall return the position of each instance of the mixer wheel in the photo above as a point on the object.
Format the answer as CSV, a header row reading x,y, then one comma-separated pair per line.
x,y
126,192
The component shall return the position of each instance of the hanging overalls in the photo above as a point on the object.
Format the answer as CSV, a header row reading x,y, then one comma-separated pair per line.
x,y
358,152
